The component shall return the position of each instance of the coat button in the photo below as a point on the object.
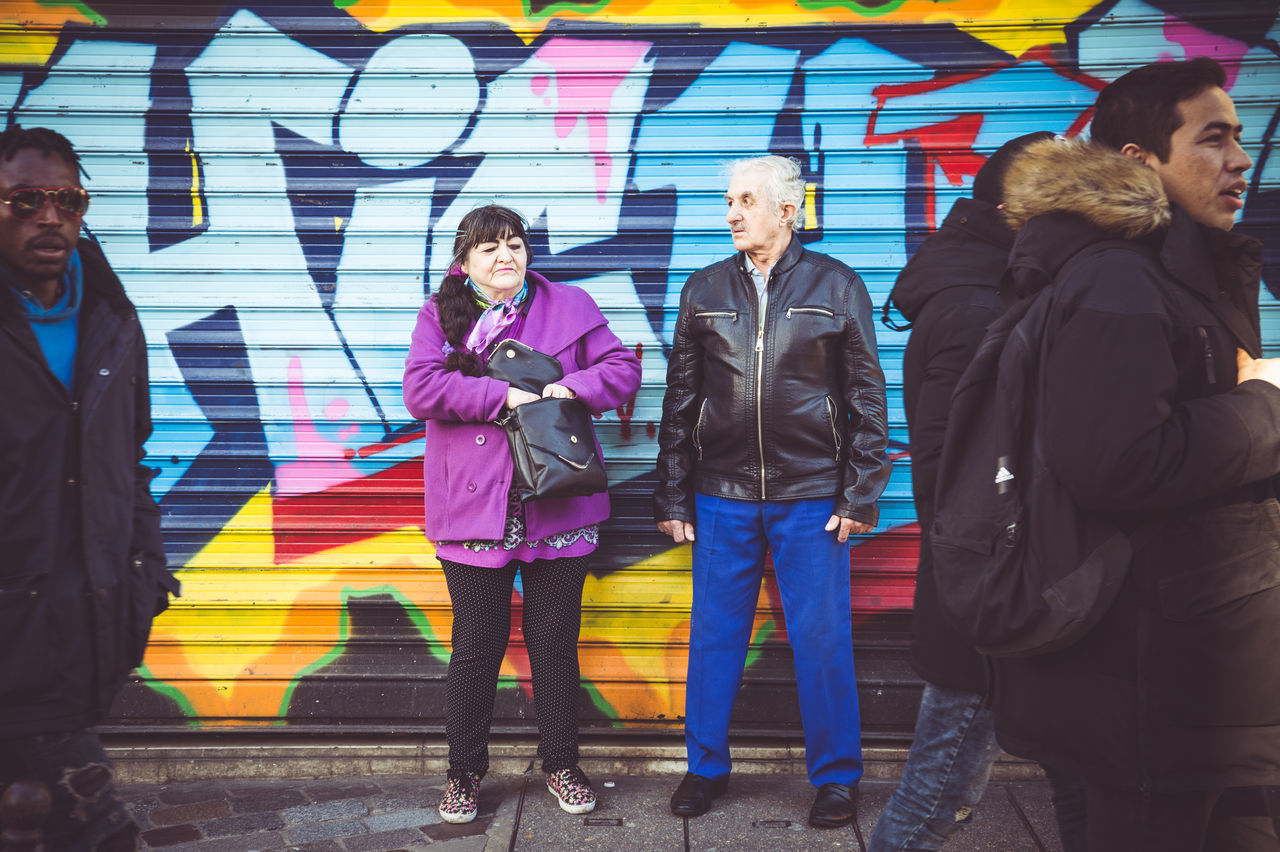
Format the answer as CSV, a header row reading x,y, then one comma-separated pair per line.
x,y
104,372
480,440
71,480
471,486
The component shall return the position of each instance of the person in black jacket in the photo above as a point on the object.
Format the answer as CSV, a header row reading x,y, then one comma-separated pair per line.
x,y
1157,412
84,569
950,293
772,440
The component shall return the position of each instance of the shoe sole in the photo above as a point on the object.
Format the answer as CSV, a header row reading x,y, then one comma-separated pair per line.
x,y
456,819
831,823
568,808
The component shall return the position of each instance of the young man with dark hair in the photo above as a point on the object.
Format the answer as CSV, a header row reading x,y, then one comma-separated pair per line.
x,y
1156,412
84,569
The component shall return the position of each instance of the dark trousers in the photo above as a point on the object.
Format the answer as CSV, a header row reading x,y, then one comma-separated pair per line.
x,y
1235,820
86,814
552,612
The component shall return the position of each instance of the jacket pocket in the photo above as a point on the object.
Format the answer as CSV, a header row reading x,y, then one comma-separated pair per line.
x,y
697,429
1218,626
27,633
835,429
810,310
729,315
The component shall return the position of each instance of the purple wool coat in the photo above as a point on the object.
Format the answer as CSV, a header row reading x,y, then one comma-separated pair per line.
x,y
467,467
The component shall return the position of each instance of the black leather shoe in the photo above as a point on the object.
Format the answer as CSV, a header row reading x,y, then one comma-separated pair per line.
x,y
694,795
835,805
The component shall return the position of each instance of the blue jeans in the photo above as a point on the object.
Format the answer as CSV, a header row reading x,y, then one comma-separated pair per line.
x,y
946,773
73,767
812,569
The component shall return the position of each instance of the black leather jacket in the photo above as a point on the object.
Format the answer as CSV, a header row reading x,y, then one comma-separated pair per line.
x,y
791,408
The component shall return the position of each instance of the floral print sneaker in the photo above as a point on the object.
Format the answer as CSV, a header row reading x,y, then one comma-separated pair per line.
x,y
461,797
572,790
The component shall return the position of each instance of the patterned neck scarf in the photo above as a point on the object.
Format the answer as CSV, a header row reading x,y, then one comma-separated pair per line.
x,y
496,317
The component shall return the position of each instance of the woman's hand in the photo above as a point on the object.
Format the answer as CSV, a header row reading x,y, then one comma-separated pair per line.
x,y
558,391
517,397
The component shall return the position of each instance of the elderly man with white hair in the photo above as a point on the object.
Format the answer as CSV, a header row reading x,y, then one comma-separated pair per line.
x,y
772,441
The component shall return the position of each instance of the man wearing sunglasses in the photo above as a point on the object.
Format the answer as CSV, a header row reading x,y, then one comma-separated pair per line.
x,y
83,569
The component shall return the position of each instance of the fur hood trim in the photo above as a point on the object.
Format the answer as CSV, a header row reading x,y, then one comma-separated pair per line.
x,y
1116,193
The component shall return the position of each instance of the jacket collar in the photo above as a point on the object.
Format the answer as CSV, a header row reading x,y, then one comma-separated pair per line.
x,y
790,257
548,328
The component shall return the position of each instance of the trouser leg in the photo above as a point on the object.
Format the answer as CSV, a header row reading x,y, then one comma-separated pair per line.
x,y
551,620
728,563
481,600
86,814
1129,821
1070,797
945,776
812,568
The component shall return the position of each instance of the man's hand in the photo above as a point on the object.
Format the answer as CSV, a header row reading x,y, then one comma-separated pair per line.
x,y
680,531
1248,367
558,391
847,527
515,397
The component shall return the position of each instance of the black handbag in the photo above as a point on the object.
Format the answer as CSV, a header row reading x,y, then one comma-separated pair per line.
x,y
552,441
523,367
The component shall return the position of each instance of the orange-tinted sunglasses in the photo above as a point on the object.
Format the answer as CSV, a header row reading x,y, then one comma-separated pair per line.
x,y
27,202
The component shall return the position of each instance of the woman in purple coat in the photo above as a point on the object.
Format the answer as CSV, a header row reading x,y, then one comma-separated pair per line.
x,y
483,534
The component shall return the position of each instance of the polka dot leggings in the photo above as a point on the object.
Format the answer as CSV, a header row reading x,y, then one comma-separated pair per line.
x,y
481,599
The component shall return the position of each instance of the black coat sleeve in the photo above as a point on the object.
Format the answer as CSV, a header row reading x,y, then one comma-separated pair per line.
x,y
673,498
1117,436
945,336
866,468
147,542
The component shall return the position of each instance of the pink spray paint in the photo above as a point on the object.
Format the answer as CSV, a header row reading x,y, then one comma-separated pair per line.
x,y
587,73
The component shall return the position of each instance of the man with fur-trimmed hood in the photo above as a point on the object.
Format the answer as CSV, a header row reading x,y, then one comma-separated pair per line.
x,y
1158,412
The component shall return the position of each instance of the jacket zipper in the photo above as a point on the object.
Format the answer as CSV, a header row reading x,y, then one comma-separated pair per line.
x,y
1208,355
820,311
835,433
697,429
733,315
759,403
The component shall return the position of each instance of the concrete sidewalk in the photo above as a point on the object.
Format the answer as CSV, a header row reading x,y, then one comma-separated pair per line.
x,y
379,813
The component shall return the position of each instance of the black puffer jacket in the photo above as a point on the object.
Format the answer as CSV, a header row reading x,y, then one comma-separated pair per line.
x,y
791,409
1145,422
83,569
950,293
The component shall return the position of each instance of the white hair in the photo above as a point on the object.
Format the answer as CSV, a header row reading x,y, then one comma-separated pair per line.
x,y
783,183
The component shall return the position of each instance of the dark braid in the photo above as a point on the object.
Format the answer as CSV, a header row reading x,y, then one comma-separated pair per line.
x,y
455,302
15,139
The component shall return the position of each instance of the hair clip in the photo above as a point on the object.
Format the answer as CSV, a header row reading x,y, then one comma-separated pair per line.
x,y
447,348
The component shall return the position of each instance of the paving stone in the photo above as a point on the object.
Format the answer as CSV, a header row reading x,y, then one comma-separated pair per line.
x,y
633,814
140,805
185,794
267,799
341,809
448,830
325,830
403,819
193,812
328,791
322,846
244,843
465,844
171,835
397,802
242,824
758,813
383,840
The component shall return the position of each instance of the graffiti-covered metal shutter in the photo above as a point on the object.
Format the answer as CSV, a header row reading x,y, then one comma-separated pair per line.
x,y
278,186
